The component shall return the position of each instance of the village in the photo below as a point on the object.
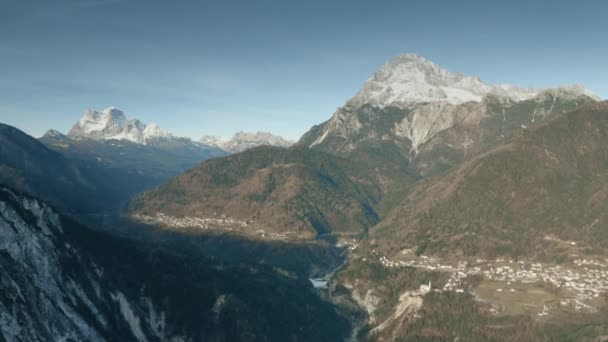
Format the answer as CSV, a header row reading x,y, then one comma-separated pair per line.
x,y
221,224
580,284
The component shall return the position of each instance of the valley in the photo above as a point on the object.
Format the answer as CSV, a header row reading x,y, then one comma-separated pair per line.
x,y
446,234
430,206
63,281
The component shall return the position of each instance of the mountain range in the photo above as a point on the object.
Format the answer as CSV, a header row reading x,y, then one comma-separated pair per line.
x,y
427,168
242,141
93,175
112,124
389,144
464,211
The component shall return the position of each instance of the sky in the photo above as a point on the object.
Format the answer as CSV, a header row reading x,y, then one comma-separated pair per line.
x,y
216,67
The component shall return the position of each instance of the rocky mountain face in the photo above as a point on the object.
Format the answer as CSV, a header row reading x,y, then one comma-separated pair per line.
x,y
111,123
544,185
410,78
61,281
434,118
242,141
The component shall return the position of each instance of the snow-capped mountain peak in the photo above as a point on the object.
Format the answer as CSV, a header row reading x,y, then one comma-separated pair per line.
x,y
211,140
410,78
52,133
241,141
571,92
153,131
434,100
93,120
111,123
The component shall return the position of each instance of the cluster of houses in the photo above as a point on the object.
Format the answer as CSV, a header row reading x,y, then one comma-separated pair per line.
x,y
222,223
586,279
457,274
586,282
457,278
274,236
352,245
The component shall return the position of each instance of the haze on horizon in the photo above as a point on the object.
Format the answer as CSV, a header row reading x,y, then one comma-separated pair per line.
x,y
219,67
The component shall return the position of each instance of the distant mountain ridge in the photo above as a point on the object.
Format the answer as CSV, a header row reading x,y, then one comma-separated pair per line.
x,y
242,141
91,176
111,123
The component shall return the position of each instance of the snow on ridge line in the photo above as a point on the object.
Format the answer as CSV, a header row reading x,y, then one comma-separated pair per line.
x,y
241,141
410,78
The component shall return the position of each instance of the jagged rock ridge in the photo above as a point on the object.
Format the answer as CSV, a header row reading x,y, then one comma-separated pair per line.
x,y
242,141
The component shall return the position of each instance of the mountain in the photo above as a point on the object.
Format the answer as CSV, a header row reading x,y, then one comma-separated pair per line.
x,y
270,191
129,155
409,78
509,245
433,118
89,176
63,282
157,162
242,141
111,123
470,211
546,185
353,169
110,127
28,165
212,140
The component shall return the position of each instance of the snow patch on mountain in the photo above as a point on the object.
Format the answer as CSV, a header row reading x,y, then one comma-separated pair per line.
x,y
242,141
212,140
129,315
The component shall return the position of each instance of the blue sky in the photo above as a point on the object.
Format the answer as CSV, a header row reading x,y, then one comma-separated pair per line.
x,y
215,67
